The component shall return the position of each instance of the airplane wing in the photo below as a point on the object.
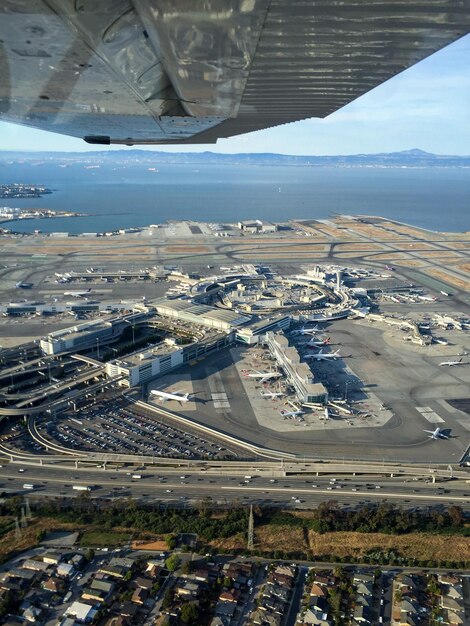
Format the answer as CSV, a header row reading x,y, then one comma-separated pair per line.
x,y
193,71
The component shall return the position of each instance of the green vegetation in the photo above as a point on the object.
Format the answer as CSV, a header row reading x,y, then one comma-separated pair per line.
x,y
103,538
379,518
173,562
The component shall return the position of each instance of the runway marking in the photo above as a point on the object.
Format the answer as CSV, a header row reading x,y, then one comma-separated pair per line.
x,y
218,394
430,415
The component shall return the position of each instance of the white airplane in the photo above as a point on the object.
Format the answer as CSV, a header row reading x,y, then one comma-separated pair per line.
x,y
313,343
165,395
322,356
436,434
263,376
296,413
306,331
451,363
272,394
77,294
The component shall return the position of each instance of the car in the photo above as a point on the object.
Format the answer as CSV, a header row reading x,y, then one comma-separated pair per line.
x,y
169,490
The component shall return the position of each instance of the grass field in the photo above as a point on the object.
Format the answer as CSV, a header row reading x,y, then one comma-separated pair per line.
x,y
90,539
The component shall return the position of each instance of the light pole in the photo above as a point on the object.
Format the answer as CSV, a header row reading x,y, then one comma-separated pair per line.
x,y
98,348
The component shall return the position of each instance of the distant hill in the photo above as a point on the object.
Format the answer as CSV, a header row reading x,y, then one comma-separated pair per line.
x,y
406,158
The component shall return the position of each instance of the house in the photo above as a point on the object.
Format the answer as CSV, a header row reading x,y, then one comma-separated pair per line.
x,y
117,620
324,580
201,575
451,604
82,611
230,596
32,614
129,610
365,589
272,605
363,600
52,558
186,588
225,609
311,618
455,619
359,577
279,592
153,570
455,591
114,571
266,619
54,584
103,585
139,596
96,595
65,569
36,566
317,591
361,614
77,560
320,605
143,583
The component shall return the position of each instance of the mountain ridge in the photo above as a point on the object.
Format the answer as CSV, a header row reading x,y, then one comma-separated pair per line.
x,y
414,157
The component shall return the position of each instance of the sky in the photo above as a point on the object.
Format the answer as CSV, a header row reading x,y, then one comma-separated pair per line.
x,y
426,107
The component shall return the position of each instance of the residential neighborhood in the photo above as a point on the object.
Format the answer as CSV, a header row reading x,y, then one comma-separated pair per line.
x,y
172,587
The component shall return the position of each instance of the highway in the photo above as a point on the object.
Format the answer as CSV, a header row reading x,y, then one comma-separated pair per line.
x,y
174,485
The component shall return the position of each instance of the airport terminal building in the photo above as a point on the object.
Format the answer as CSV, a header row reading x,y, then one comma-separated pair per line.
x,y
298,374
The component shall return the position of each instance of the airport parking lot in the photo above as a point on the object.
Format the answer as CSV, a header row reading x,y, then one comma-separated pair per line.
x,y
118,427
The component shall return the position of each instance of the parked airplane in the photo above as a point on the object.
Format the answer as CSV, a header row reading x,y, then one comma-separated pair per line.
x,y
296,413
77,294
165,395
263,376
322,356
306,331
436,434
313,343
272,394
451,363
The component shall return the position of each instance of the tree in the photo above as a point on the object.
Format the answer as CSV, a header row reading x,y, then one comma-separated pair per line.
x,y
90,554
168,599
173,562
171,542
189,613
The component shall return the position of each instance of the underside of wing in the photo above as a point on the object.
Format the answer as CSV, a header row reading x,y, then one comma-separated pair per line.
x,y
193,71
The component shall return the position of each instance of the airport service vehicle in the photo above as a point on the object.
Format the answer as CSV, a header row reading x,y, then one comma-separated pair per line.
x,y
81,488
28,486
436,434
165,395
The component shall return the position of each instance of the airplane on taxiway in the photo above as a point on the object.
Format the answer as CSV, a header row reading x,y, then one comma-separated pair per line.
x,y
451,363
165,395
78,294
436,434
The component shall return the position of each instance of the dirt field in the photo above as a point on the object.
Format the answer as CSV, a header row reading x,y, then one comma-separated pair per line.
x,y
421,546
